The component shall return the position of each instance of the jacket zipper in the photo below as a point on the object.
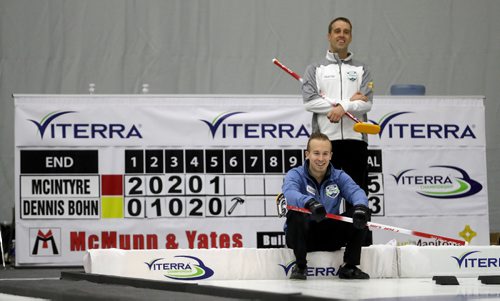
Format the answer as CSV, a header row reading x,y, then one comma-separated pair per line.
x,y
341,92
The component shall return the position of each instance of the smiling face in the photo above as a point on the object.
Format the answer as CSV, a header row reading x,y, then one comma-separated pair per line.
x,y
340,36
319,153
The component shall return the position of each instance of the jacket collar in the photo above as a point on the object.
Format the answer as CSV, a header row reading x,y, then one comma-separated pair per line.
x,y
333,57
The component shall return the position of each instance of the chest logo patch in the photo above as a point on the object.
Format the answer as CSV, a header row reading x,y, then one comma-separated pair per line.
x,y
352,75
332,190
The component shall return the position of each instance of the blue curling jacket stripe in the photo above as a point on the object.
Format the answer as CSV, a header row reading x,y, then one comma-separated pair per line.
x,y
299,187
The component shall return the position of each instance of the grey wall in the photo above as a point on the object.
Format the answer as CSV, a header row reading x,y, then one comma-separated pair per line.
x,y
226,47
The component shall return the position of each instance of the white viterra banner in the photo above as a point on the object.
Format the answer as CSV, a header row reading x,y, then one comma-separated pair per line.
x,y
196,172
433,167
471,261
379,261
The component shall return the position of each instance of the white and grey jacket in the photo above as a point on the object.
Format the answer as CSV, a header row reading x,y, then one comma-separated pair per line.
x,y
338,80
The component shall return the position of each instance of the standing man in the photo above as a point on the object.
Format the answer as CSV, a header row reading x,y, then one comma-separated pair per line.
x,y
347,86
319,187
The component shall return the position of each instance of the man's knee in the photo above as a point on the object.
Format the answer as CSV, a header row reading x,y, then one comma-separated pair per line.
x,y
297,218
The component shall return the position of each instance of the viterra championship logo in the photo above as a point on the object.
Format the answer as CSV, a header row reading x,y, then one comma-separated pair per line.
x,y
222,127
186,268
468,260
49,128
391,127
439,181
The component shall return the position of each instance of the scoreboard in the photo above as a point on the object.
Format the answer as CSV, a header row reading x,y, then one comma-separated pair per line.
x,y
177,172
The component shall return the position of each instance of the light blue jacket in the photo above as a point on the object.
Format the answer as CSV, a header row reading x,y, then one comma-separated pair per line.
x,y
299,187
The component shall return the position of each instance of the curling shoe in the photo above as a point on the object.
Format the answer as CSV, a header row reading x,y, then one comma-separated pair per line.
x,y
298,273
349,271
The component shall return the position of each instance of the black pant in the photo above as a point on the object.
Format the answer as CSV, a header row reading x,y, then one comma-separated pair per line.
x,y
305,235
352,157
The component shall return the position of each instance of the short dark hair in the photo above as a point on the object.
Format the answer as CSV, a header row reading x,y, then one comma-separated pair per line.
x,y
318,136
339,19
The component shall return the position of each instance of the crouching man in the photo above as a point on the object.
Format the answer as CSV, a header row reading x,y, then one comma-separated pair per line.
x,y
319,187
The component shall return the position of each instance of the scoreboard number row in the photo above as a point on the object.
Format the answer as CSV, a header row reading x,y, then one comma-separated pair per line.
x,y
182,207
174,185
256,161
201,184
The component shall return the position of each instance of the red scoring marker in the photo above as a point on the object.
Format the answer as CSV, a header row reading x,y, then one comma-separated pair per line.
x,y
112,184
